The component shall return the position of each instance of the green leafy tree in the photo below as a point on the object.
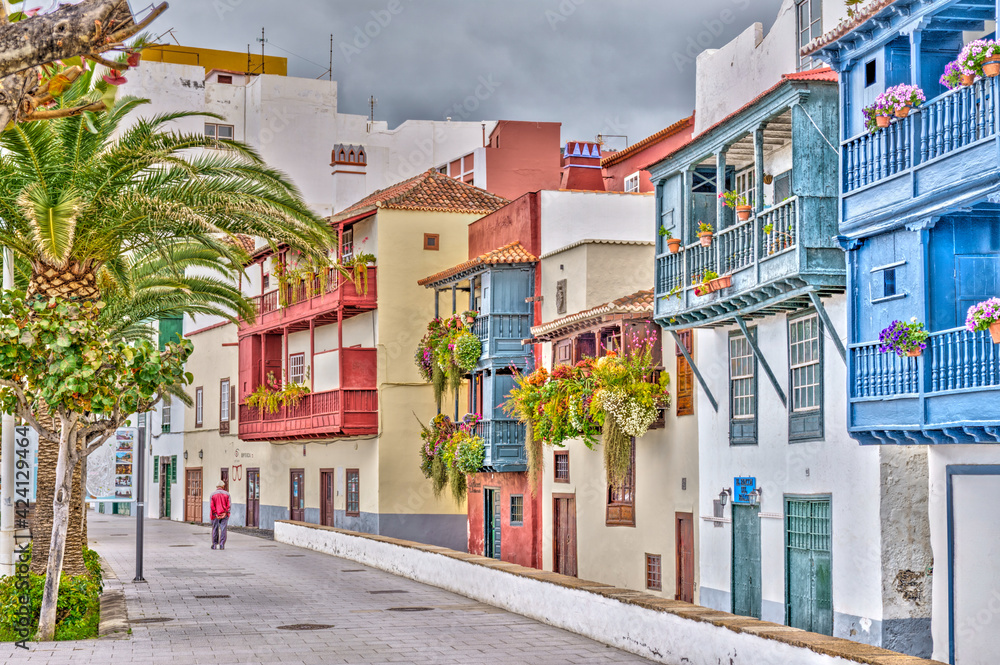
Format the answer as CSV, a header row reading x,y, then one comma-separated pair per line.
x,y
59,361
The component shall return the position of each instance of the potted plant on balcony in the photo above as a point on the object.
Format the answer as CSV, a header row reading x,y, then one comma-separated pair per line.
x,y
904,338
985,316
973,57
448,351
877,116
357,267
903,97
705,233
710,282
450,452
775,242
272,395
952,77
673,244
739,203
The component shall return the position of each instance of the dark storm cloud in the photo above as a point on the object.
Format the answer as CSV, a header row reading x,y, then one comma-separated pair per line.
x,y
597,66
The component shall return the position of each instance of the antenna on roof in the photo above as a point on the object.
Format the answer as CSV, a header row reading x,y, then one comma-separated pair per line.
x,y
262,40
372,102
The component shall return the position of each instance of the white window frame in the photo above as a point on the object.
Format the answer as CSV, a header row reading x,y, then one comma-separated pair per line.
x,y
742,372
212,132
809,32
347,245
224,395
297,368
805,341
744,184
199,406
632,183
165,414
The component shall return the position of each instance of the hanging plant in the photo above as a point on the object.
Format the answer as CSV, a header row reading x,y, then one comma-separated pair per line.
x,y
448,351
904,339
450,452
985,315
357,267
272,395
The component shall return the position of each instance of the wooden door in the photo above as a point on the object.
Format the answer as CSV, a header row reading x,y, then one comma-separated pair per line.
x,y
224,477
685,557
491,521
253,497
327,491
193,495
808,588
297,496
564,534
746,561
164,487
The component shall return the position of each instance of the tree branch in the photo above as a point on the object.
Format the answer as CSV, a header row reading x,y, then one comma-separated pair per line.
x,y
49,114
25,411
110,64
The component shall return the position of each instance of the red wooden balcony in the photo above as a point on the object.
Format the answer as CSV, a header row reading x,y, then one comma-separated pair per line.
x,y
305,302
341,412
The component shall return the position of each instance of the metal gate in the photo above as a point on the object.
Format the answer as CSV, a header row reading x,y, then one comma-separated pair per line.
x,y
808,587
746,561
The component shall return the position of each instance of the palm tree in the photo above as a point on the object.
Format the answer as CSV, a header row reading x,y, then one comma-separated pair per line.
x,y
97,210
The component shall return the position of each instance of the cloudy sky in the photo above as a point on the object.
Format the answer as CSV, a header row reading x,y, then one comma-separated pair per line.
x,y
597,66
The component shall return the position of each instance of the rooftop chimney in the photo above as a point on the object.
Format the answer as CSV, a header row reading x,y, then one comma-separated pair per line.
x,y
581,166
350,167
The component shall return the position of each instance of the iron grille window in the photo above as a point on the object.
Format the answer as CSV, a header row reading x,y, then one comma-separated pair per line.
x,y
805,363
199,406
621,497
165,415
561,466
353,493
517,510
742,391
297,368
654,572
810,25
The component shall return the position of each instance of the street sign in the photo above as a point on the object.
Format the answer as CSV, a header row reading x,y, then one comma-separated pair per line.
x,y
743,489
110,469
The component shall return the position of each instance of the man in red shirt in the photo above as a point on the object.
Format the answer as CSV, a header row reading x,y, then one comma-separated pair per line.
x,y
220,505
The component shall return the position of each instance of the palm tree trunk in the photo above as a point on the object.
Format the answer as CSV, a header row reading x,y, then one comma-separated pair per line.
x,y
48,455
65,466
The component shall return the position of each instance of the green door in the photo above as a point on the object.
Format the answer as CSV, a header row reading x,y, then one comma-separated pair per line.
x,y
491,520
746,561
808,587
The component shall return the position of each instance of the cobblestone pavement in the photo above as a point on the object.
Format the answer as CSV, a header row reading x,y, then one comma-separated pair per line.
x,y
267,585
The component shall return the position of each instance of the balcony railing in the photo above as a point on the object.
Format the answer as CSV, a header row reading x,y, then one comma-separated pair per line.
x,y
501,336
317,415
947,123
305,298
954,360
733,249
504,444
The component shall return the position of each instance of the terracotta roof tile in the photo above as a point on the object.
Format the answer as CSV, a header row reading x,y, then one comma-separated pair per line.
x,y
640,302
823,74
512,253
622,155
860,17
430,191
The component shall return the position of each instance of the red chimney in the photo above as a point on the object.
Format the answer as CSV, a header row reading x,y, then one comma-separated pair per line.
x,y
581,166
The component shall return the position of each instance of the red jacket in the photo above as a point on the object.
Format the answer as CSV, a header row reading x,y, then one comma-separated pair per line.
x,y
220,504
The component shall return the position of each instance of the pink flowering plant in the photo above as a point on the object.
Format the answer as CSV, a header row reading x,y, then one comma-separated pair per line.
x,y
952,77
447,352
902,337
451,450
982,315
972,56
733,199
903,95
880,108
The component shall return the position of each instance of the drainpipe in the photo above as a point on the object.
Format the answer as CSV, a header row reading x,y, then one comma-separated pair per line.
x,y
7,456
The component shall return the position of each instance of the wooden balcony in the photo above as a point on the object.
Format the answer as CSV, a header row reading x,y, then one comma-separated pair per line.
x,y
504,443
321,415
777,256
501,336
315,301
943,153
927,399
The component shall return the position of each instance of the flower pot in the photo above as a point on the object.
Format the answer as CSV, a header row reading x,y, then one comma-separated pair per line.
x,y
721,282
995,331
674,245
913,353
701,290
991,66
902,111
882,121
705,238
968,79
743,212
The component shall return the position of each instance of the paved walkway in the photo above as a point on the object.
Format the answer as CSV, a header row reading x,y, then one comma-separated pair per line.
x,y
270,585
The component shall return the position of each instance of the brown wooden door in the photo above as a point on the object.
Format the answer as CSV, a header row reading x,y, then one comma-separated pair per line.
x,y
224,476
164,487
192,495
297,496
564,534
253,497
685,557
327,492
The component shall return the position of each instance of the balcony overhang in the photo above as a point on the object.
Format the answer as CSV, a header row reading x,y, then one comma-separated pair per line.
x,y
512,254
636,306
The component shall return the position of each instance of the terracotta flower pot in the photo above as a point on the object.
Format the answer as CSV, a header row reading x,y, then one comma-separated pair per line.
x,y
995,331
705,238
721,282
968,79
991,67
743,212
913,353
674,245
882,121
902,111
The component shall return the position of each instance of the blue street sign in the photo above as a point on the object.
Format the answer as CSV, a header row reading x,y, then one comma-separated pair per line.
x,y
743,488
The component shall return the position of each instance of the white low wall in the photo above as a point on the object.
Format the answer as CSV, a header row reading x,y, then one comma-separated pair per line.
x,y
661,635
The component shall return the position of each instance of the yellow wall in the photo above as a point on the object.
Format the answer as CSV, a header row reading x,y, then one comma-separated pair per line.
x,y
213,59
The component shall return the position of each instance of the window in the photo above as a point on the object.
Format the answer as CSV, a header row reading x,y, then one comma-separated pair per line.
x,y
742,391
885,282
888,282
561,296
871,73
165,415
224,406
225,78
810,25
805,362
621,498
654,572
199,406
610,341
744,185
265,281
297,368
353,493
563,352
685,376
142,421
216,132
517,510
632,183
347,245
561,466
432,241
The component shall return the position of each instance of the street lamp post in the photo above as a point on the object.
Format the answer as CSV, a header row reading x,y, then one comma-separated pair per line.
x,y
140,503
